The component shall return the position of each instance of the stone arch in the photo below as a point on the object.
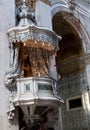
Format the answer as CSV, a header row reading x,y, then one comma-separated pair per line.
x,y
74,22
70,37
70,61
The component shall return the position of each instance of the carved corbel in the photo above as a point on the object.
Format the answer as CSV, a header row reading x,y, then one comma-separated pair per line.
x,y
11,110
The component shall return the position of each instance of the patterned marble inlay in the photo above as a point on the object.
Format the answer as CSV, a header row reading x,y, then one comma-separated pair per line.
x,y
71,86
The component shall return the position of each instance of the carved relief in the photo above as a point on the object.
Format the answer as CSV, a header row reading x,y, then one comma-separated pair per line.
x,y
12,74
15,66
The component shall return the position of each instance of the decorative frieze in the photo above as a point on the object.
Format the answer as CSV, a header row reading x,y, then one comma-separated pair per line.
x,y
36,35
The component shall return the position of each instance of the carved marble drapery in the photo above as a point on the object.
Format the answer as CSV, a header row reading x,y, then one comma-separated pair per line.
x,y
15,65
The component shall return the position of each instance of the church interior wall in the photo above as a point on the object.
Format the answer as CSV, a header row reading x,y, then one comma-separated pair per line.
x,y
71,86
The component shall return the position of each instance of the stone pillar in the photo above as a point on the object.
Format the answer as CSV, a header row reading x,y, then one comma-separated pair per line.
x,y
52,68
7,20
88,74
88,86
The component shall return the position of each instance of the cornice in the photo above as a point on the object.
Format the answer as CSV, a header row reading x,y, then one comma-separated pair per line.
x,y
35,33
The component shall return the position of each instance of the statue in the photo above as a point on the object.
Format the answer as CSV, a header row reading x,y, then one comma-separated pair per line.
x,y
25,15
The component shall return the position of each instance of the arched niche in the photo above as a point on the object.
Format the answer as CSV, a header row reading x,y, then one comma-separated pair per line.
x,y
74,21
71,48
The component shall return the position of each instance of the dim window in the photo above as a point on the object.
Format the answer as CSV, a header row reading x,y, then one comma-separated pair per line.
x,y
45,87
27,87
74,103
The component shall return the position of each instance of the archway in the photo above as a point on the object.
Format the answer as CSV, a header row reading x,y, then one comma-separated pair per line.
x,y
77,22
74,42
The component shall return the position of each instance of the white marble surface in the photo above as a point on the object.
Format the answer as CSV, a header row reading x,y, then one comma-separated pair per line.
x,y
43,15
